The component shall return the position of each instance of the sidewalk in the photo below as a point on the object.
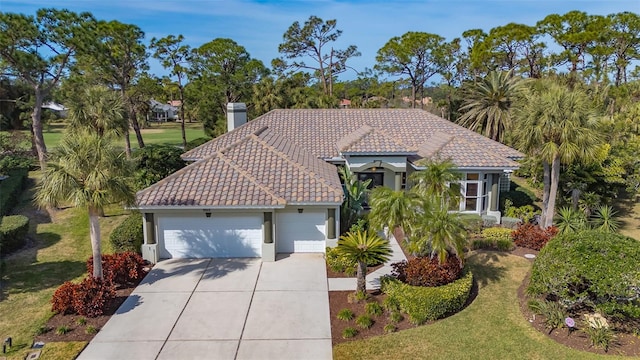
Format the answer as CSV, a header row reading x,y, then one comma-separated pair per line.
x,y
373,279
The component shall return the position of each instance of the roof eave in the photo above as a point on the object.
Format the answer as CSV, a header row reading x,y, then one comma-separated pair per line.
x,y
206,207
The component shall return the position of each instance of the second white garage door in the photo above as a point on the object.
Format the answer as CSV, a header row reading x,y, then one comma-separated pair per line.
x,y
217,236
300,232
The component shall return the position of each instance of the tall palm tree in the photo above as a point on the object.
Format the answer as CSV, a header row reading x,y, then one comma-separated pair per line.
x,y
363,247
556,125
86,170
435,180
487,104
101,110
391,209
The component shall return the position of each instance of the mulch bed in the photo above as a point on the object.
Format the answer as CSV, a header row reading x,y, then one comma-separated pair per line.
x,y
77,332
624,344
338,300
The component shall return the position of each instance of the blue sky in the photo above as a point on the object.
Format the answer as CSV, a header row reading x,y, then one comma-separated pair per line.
x,y
259,25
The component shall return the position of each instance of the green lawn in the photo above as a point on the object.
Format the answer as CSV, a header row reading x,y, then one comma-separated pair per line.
x,y
60,249
492,327
157,133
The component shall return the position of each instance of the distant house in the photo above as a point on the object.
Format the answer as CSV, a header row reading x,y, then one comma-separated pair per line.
x,y
162,112
345,103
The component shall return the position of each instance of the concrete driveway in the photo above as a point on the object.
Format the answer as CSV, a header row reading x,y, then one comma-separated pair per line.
x,y
223,309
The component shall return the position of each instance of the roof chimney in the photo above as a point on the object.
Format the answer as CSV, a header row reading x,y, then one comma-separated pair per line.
x,y
236,115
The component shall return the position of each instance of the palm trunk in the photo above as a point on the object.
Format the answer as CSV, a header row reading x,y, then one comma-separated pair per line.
x,y
361,274
94,233
36,121
553,191
546,182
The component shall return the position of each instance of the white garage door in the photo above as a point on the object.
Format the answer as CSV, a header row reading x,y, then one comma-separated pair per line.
x,y
217,236
300,232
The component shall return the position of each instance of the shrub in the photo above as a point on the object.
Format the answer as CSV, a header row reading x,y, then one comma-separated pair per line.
x,y
63,298
524,213
155,162
338,263
196,142
128,236
532,236
510,222
518,196
501,244
395,317
120,268
92,296
349,332
81,321
553,312
472,222
391,304
426,271
428,303
389,328
345,315
599,336
91,330
496,233
364,321
63,329
11,189
13,232
590,270
373,309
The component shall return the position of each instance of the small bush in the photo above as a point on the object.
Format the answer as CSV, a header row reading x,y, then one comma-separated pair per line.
x,y
338,263
63,329
349,333
472,222
345,315
91,330
364,321
518,196
552,311
428,303
395,317
426,271
120,268
510,223
505,245
13,233
196,142
501,245
42,329
496,233
532,236
92,296
128,236
590,270
11,189
81,321
599,336
391,304
356,297
389,328
63,299
373,309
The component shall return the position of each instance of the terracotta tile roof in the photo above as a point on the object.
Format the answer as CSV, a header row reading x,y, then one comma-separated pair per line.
x,y
260,170
323,132
367,138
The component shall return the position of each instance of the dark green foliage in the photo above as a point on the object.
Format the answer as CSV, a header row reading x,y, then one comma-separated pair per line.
x,y
553,312
373,309
11,189
195,143
428,303
518,196
532,236
389,328
600,336
493,244
13,233
427,271
364,321
155,162
395,317
590,270
345,315
349,332
128,236
472,222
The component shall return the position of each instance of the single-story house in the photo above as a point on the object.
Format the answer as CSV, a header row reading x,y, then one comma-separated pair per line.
x,y
271,185
162,112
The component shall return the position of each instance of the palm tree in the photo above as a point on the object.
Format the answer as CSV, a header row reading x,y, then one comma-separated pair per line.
x,y
487,104
440,233
86,170
556,125
391,209
354,198
363,247
101,110
435,180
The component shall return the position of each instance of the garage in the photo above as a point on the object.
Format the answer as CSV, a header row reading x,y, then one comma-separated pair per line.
x,y
210,237
300,231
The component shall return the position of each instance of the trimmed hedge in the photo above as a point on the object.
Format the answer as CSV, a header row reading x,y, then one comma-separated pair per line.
x,y
11,189
128,236
497,238
13,233
590,269
428,303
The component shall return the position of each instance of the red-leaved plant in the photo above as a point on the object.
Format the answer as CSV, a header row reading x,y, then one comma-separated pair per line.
x,y
532,236
121,268
426,271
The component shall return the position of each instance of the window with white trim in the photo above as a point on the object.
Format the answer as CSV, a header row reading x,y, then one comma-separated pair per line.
x,y
473,192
